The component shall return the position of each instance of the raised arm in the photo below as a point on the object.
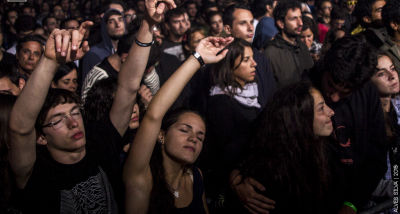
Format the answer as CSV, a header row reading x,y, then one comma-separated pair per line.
x,y
137,167
132,70
61,46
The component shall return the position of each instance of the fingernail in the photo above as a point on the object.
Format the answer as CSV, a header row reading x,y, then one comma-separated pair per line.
x,y
59,50
74,47
63,53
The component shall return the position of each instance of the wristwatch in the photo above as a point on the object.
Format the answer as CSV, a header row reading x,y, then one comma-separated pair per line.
x,y
198,57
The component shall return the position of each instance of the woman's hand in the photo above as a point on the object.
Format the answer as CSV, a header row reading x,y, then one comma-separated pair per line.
x,y
209,47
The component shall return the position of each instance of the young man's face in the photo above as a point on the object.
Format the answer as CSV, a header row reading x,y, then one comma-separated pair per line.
x,y
292,24
67,134
178,25
115,26
29,55
242,25
51,25
376,13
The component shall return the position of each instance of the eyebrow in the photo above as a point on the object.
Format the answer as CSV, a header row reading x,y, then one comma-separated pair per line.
x,y
61,113
189,126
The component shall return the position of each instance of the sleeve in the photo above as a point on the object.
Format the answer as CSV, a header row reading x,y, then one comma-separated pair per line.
x,y
88,62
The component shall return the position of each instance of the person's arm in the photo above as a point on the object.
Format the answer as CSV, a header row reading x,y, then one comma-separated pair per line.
x,y
61,46
137,175
245,190
133,68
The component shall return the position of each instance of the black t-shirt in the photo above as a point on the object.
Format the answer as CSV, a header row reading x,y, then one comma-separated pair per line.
x,y
93,185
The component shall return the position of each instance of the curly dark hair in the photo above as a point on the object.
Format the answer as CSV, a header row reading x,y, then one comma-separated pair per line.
x,y
355,61
223,76
391,14
286,151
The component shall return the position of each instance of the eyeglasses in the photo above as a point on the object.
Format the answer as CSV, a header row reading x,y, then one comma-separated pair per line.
x,y
60,120
350,3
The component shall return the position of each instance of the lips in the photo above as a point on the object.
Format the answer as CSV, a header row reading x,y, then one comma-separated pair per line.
x,y
190,148
134,119
77,135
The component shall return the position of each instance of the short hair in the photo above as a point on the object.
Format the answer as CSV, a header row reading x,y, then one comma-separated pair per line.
x,y
179,11
363,8
63,70
212,14
355,60
65,21
25,23
282,9
45,20
391,13
228,13
108,3
31,38
54,98
259,7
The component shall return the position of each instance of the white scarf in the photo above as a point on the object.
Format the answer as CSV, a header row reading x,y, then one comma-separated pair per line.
x,y
248,96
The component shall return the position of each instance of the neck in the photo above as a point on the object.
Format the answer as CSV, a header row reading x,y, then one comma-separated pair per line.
x,y
114,44
115,61
173,171
385,101
174,38
23,71
67,157
291,40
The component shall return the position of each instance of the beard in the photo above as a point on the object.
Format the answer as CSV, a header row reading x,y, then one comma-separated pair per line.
x,y
116,37
290,33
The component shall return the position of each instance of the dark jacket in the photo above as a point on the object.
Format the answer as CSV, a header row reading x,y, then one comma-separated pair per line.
x,y
288,62
97,52
360,132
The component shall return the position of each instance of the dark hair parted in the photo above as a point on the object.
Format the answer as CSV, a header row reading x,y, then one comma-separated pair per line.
x,y
391,14
63,70
161,199
285,150
223,74
54,98
31,38
227,17
282,9
355,61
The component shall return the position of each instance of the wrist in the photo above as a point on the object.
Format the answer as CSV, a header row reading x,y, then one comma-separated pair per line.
x,y
198,57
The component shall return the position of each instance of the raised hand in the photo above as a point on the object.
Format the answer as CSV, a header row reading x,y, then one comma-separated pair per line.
x,y
67,45
209,47
155,9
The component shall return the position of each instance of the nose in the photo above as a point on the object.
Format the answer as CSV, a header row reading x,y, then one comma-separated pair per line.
x,y
330,111
254,63
250,27
71,122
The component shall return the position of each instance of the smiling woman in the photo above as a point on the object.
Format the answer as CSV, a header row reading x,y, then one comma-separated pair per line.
x,y
290,155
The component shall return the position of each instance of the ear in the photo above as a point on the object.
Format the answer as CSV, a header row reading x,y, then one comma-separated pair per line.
x,y
161,137
394,26
367,19
41,140
280,24
228,29
21,83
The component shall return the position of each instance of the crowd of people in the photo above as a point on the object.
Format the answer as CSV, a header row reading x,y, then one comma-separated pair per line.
x,y
199,106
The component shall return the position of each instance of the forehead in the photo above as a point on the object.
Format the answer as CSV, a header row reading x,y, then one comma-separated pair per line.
x,y
306,32
293,12
178,17
114,17
31,45
191,119
248,51
60,108
242,14
317,96
377,4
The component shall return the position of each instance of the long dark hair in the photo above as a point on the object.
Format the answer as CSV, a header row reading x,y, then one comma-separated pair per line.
x,y
223,76
286,150
161,198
